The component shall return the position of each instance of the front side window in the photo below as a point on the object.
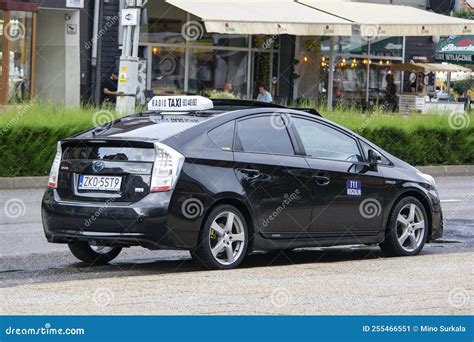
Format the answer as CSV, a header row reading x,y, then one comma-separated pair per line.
x,y
321,141
264,134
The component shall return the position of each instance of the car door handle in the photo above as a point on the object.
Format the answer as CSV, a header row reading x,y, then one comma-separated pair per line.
x,y
250,172
322,179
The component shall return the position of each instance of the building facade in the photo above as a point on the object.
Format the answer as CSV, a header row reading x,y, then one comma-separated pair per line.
x,y
71,46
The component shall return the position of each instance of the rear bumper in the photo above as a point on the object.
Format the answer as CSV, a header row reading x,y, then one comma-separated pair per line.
x,y
143,223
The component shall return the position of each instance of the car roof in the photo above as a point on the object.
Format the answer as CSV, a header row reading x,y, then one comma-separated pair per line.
x,y
221,106
139,126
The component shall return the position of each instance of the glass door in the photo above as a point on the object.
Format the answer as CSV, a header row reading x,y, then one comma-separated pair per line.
x,y
16,56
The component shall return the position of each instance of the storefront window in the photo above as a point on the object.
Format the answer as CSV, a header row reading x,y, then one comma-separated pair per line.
x,y
265,42
165,23
350,80
361,68
16,55
210,70
20,56
184,58
167,70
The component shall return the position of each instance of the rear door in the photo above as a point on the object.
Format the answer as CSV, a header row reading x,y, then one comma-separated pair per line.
x,y
276,181
348,194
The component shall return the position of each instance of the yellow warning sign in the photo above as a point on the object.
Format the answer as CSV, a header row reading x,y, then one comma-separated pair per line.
x,y
123,78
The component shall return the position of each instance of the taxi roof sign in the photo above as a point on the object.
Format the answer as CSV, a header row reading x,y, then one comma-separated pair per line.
x,y
179,103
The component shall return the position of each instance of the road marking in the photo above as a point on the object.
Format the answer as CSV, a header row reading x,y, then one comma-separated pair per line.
x,y
451,201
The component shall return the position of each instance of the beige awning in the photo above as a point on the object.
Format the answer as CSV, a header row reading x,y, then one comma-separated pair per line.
x,y
429,67
264,17
377,20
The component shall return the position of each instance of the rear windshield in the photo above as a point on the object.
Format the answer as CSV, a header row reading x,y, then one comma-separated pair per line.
x,y
109,153
156,127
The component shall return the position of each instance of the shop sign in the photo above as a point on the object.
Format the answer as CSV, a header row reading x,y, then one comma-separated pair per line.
x,y
75,3
453,57
455,49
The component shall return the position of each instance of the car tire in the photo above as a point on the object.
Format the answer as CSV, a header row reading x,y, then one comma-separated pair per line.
x,y
222,243
93,255
407,229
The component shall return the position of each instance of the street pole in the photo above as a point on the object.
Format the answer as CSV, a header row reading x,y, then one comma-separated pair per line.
x,y
331,73
128,70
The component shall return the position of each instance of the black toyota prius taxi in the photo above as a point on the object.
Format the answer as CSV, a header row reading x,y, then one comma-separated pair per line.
x,y
223,178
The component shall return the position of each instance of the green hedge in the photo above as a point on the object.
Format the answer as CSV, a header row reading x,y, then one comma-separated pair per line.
x,y
426,146
29,151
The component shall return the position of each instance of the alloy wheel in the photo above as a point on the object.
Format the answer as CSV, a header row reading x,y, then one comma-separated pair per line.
x,y
100,249
410,227
226,238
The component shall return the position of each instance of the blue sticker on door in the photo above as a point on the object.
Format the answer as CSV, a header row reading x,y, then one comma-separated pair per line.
x,y
354,187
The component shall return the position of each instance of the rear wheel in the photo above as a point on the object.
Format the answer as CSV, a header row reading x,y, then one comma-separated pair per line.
x,y
223,239
93,254
407,229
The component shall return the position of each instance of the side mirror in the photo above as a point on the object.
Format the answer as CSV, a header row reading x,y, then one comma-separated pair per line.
x,y
375,158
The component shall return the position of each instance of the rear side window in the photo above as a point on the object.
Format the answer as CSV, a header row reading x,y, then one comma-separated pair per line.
x,y
264,134
223,136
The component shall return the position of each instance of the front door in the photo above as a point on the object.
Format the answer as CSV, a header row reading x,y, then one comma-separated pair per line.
x,y
275,180
348,195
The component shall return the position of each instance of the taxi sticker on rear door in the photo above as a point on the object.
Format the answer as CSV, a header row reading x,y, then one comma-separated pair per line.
x,y
354,187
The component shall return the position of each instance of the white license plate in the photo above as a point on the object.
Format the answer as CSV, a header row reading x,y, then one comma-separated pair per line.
x,y
102,183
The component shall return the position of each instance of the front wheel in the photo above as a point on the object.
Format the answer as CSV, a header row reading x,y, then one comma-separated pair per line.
x,y
93,254
223,239
407,229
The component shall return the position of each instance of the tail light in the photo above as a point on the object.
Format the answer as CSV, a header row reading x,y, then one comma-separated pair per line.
x,y
166,169
54,173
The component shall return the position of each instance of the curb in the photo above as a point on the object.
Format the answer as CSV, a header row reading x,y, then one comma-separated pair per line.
x,y
23,183
448,170
10,183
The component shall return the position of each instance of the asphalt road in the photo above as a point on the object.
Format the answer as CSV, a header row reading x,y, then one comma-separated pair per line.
x,y
41,278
